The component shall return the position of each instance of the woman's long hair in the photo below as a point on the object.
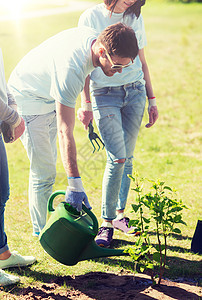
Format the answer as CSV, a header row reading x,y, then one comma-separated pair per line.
x,y
134,9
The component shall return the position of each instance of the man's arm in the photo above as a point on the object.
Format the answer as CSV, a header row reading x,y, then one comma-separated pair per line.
x,y
75,193
65,125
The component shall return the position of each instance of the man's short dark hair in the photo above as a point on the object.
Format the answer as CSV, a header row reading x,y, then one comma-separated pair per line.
x,y
119,39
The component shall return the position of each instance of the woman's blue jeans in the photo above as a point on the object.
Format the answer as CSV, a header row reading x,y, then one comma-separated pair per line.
x,y
4,194
118,113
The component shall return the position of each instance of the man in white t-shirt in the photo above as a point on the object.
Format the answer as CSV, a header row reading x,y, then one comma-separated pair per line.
x,y
46,84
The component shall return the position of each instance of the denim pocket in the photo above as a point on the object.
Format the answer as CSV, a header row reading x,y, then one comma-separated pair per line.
x,y
139,86
100,92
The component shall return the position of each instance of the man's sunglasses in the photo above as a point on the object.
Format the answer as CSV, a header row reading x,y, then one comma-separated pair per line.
x,y
117,67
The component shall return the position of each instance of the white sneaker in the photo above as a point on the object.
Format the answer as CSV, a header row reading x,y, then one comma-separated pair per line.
x,y
7,279
16,260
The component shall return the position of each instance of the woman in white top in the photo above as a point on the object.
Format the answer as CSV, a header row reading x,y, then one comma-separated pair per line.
x,y
12,126
118,104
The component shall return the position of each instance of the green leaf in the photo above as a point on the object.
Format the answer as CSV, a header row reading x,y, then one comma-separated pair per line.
x,y
146,202
158,248
158,219
146,220
156,256
146,251
177,219
139,241
182,222
133,223
167,188
135,207
138,189
142,268
174,209
176,230
131,177
150,266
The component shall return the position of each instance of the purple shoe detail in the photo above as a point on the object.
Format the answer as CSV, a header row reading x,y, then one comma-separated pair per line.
x,y
104,237
122,225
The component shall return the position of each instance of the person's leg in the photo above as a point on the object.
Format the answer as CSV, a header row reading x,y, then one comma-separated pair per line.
x,y
7,259
132,114
39,140
4,196
107,104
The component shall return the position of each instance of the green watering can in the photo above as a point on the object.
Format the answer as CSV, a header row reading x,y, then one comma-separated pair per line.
x,y
68,235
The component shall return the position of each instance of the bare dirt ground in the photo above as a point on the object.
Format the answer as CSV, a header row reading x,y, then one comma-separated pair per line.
x,y
108,286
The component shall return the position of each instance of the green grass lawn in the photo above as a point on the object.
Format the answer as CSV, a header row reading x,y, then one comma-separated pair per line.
x,y
170,150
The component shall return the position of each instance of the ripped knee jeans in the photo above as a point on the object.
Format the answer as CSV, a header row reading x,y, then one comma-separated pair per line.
x,y
118,113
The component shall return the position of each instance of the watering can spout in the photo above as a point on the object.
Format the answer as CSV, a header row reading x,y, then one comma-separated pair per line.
x,y
94,251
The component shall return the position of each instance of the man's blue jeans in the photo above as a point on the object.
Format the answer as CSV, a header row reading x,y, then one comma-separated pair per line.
x,y
118,113
39,140
4,194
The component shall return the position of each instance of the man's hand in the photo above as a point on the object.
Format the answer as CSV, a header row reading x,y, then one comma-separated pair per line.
x,y
75,194
12,132
153,112
85,114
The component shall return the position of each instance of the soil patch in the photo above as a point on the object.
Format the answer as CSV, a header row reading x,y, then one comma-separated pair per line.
x,y
108,286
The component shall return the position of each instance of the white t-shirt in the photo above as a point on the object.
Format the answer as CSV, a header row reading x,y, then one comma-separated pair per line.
x,y
98,17
53,71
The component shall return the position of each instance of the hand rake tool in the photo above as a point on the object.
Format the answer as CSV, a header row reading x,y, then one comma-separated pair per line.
x,y
94,137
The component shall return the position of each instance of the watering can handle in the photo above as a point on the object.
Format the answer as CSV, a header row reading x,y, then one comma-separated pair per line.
x,y
52,197
89,212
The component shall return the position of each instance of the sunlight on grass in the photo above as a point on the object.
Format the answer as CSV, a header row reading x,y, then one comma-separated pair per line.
x,y
14,8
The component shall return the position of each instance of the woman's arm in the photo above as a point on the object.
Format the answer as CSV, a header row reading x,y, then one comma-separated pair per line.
x,y
145,70
152,108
